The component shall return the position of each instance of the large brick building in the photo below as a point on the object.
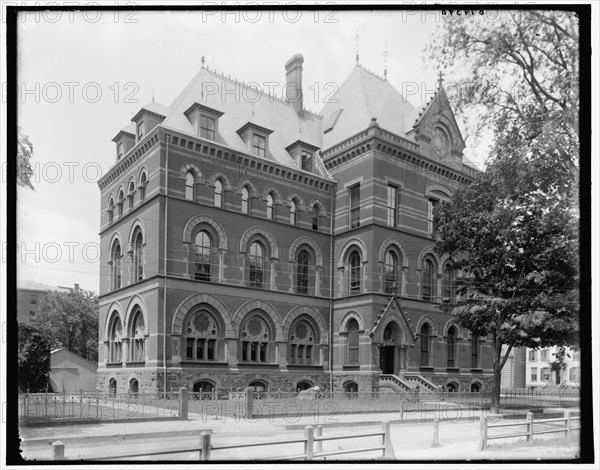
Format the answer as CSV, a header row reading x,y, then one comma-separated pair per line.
x,y
249,242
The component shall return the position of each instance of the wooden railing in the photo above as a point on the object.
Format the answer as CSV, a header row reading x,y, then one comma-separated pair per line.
x,y
312,446
530,431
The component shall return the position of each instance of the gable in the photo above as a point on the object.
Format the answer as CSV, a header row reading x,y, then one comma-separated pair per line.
x,y
437,131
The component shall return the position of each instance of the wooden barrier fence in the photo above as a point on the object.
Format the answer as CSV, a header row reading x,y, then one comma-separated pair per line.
x,y
530,431
309,441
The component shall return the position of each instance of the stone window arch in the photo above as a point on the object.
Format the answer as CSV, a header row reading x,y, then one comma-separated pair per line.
x,y
143,182
354,272
115,340
294,212
190,186
138,245
137,335
257,338
391,271
428,279
203,335
303,338
425,336
451,346
303,269
115,261
270,206
246,200
120,201
203,255
130,194
352,346
111,209
218,192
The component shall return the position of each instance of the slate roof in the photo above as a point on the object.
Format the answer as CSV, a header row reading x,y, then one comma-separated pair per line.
x,y
241,104
364,96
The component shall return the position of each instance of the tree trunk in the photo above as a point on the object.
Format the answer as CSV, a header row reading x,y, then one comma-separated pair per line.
x,y
497,377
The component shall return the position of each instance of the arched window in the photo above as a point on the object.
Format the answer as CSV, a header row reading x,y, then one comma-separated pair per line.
x,y
142,187
427,287
452,387
116,265
351,389
302,341
354,262
112,387
134,387
120,203
218,193
130,194
448,282
245,200
189,185
256,339
475,353
315,217
451,346
111,210
258,386
203,387
201,337
352,328
138,258
303,385
391,272
293,209
256,264
203,256
136,341
424,340
475,387
114,341
270,206
302,272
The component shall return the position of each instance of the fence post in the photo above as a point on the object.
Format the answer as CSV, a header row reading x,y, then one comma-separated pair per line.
x,y
183,403
58,450
319,434
401,410
308,445
205,445
482,433
249,403
388,452
529,426
568,423
80,403
436,440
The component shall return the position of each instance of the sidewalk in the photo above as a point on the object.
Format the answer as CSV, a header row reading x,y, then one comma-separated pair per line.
x,y
122,431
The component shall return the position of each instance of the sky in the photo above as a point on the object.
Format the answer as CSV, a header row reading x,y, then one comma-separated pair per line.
x,y
83,75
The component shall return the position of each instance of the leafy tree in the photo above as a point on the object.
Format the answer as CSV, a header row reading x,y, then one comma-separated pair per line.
x,y
24,154
514,235
70,319
33,359
519,70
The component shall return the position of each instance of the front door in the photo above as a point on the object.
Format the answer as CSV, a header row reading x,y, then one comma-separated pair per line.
x,y
386,359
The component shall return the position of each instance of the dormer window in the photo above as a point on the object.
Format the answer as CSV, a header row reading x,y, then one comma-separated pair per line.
x,y
125,141
303,154
307,161
204,120
259,145
207,127
119,150
256,138
140,130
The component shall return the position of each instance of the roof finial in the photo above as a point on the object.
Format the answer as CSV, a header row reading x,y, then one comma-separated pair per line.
x,y
357,39
385,56
202,60
153,93
440,80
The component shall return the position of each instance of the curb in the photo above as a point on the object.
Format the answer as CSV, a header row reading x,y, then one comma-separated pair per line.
x,y
42,442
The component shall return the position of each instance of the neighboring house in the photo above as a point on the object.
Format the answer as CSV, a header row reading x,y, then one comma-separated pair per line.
x,y
514,371
542,375
71,372
249,242
29,296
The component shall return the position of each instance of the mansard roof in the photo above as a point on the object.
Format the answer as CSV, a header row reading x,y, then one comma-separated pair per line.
x,y
241,104
364,96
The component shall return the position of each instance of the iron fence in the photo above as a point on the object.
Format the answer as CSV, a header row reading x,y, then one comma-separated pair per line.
x,y
525,398
95,406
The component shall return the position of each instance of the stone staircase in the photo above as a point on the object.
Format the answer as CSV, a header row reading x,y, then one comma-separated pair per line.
x,y
405,384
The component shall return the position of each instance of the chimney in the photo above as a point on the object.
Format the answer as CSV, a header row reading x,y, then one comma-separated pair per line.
x,y
76,286
293,86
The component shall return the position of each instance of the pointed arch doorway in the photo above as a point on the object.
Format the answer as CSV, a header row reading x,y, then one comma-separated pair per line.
x,y
392,353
